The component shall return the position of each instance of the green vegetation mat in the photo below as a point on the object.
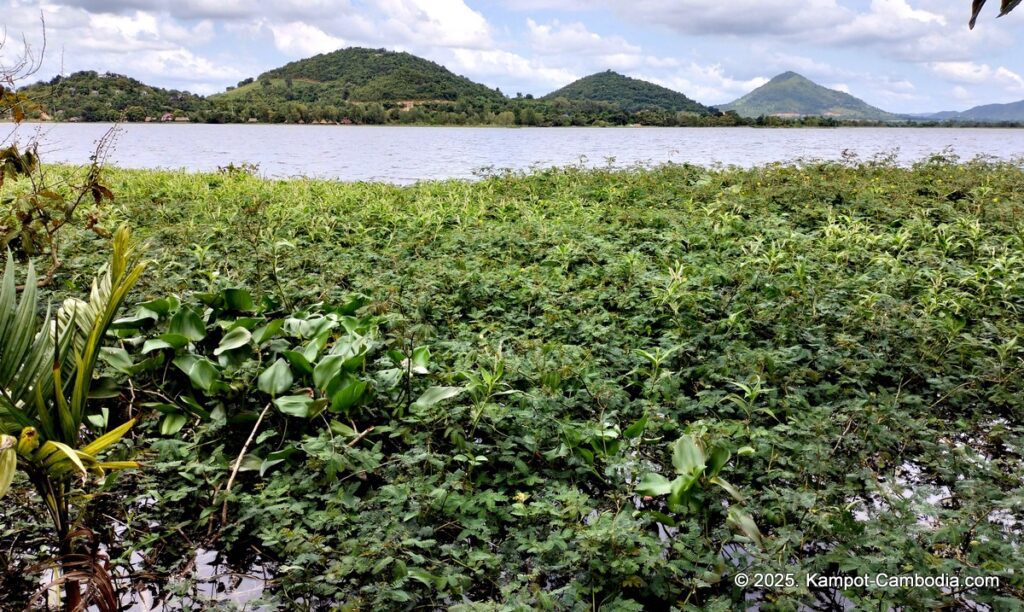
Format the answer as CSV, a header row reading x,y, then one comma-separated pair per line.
x,y
822,363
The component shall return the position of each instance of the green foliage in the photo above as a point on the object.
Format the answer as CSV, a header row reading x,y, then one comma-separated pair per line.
x,y
46,414
631,95
373,87
377,75
223,356
839,344
33,217
696,470
27,353
92,96
791,94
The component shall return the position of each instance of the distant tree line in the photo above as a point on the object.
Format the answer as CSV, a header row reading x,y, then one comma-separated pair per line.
x,y
94,97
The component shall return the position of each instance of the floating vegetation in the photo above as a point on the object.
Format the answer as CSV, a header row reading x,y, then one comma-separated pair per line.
x,y
567,389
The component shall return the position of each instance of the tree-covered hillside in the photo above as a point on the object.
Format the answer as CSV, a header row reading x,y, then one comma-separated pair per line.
x,y
629,94
374,87
792,94
375,75
989,113
92,96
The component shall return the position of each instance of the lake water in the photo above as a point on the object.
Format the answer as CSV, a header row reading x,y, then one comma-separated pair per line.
x,y
408,154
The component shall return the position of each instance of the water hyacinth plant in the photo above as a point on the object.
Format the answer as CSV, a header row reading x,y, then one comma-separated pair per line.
x,y
836,344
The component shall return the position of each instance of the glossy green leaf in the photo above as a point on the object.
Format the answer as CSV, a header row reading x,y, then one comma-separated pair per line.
x,y
165,341
654,485
201,371
744,523
296,405
728,488
436,395
327,370
234,339
238,300
298,362
172,424
636,429
421,360
187,323
717,459
687,456
267,332
117,358
348,396
276,379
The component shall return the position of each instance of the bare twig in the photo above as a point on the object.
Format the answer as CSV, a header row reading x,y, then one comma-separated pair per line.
x,y
238,462
360,437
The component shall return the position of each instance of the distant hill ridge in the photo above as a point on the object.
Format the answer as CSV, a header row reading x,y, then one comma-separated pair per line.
x,y
988,113
374,86
790,94
631,95
373,75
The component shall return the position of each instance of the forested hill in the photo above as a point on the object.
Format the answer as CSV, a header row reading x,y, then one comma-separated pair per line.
x,y
790,94
629,94
988,113
373,87
92,96
373,75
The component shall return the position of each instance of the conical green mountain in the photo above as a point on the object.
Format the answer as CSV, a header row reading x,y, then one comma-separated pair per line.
x,y
629,94
790,94
369,75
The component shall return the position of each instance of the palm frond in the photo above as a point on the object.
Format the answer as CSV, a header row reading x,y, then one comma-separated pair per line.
x,y
107,297
26,348
1004,9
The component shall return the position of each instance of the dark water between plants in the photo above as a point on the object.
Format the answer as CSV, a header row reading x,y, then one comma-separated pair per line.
x,y
408,154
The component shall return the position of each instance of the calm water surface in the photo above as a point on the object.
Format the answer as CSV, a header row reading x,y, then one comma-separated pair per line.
x,y
408,154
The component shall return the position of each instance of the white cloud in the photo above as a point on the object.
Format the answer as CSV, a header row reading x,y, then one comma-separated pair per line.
x,y
300,39
484,63
960,93
889,20
705,83
736,17
137,43
970,73
558,38
442,23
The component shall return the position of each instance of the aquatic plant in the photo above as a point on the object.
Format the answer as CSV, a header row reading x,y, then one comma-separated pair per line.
x,y
536,345
46,378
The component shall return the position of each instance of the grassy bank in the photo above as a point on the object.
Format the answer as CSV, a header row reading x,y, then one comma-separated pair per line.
x,y
840,342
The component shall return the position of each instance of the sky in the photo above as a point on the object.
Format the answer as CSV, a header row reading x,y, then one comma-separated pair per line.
x,y
900,55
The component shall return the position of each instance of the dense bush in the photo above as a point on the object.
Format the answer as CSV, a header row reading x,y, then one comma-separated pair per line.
x,y
555,375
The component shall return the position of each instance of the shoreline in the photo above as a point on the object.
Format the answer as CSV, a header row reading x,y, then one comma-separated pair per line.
x,y
241,171
853,125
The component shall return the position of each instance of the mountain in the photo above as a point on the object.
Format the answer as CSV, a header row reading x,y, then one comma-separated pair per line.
x,y
363,75
790,94
988,113
631,95
92,96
